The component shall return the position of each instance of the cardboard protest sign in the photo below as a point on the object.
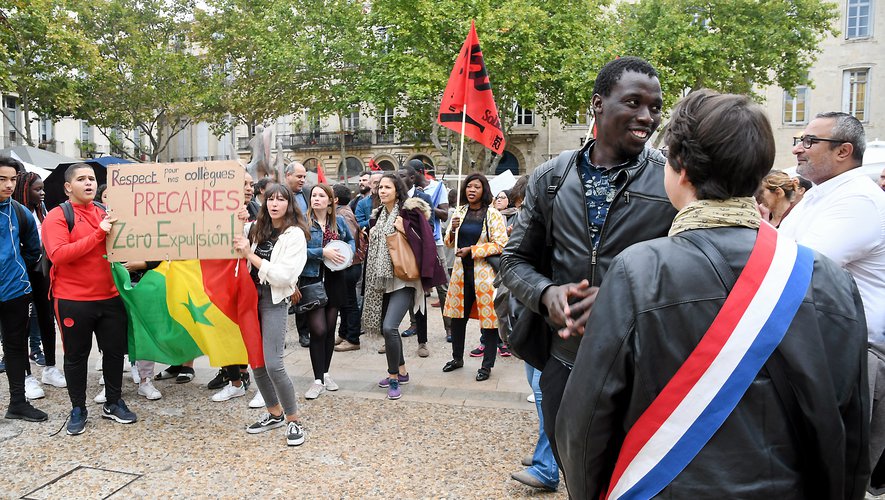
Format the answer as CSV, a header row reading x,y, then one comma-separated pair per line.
x,y
174,211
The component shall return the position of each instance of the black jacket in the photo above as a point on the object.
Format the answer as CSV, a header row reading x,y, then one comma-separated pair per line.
x,y
641,211
655,304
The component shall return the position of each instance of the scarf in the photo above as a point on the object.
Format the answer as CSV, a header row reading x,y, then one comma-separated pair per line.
x,y
705,214
379,268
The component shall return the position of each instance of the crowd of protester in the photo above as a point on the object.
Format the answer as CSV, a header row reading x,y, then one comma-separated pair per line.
x,y
652,245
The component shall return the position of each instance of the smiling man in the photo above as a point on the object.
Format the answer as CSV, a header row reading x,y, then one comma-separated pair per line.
x,y
597,201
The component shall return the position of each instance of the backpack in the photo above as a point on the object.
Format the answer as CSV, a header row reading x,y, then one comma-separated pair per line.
x,y
68,211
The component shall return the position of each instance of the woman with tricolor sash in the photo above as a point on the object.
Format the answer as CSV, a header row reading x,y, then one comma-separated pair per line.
x,y
724,360
276,250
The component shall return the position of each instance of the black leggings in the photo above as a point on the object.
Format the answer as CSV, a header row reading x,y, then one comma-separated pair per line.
x,y
45,315
488,336
321,323
78,320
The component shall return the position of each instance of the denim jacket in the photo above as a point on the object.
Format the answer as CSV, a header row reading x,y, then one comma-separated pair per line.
x,y
315,246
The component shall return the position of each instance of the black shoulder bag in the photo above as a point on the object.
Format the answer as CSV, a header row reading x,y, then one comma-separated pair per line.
x,y
532,337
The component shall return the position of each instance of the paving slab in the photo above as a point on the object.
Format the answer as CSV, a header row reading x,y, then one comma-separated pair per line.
x,y
448,437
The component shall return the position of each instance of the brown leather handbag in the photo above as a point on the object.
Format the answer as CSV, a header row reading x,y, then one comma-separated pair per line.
x,y
405,267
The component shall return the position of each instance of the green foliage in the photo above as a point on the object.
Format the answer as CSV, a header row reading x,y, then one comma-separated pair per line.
x,y
42,47
728,45
149,77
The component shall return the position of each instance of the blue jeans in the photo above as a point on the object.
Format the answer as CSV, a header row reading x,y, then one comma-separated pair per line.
x,y
543,462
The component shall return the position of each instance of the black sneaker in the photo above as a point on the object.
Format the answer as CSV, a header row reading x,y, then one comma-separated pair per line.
x,y
24,411
118,412
168,373
266,423
294,434
77,421
221,379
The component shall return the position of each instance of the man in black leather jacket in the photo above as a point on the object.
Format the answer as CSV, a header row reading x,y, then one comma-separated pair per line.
x,y
599,200
800,428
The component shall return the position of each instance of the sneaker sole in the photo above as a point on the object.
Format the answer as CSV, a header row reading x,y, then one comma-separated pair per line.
x,y
392,398
295,442
69,433
250,430
31,398
255,407
16,416
60,386
228,398
118,419
151,398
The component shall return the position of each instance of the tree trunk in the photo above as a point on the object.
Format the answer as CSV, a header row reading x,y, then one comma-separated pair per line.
x,y
343,163
26,112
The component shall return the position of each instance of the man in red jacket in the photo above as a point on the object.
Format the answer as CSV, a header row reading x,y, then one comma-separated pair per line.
x,y
86,305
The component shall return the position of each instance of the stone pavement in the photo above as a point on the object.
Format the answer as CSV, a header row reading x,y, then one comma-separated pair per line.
x,y
448,437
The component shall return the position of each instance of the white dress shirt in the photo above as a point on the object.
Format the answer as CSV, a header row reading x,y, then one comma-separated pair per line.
x,y
844,219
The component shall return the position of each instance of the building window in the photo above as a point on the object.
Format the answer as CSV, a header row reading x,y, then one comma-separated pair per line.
x,y
858,19
795,105
352,120
387,120
855,97
582,116
84,132
523,116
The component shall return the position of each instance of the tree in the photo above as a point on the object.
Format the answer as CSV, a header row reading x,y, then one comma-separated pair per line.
x,y
333,40
729,45
151,80
257,60
42,46
539,54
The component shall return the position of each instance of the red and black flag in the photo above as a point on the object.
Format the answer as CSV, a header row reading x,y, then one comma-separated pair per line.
x,y
469,91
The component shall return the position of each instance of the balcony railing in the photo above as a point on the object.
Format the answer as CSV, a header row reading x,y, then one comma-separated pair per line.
x,y
332,140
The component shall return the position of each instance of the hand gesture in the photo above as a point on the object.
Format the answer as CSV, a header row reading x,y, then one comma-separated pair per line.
x,y
242,246
456,222
333,255
107,223
556,300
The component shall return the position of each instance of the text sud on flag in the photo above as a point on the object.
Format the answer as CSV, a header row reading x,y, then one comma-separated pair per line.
x,y
469,85
184,309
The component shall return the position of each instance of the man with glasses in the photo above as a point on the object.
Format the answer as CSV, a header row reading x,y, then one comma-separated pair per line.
x,y
843,217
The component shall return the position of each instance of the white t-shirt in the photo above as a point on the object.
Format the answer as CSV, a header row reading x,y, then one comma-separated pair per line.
x,y
844,219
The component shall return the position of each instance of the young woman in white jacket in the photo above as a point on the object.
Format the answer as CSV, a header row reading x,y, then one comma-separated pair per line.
x,y
276,250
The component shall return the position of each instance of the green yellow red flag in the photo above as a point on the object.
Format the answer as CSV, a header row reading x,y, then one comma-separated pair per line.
x,y
184,309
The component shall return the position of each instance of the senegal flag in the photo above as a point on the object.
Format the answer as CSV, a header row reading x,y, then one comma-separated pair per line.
x,y
184,309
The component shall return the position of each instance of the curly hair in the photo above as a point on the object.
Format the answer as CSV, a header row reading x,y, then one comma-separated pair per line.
x,y
402,194
610,73
723,141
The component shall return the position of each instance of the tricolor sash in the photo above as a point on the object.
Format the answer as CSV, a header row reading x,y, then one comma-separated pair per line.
x,y
711,382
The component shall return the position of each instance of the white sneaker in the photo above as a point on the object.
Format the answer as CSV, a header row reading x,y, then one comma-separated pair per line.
x,y
135,377
54,377
315,390
147,389
329,383
32,388
530,398
100,398
98,366
101,380
257,401
229,391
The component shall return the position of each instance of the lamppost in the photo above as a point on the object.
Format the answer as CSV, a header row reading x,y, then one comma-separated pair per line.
x,y
399,158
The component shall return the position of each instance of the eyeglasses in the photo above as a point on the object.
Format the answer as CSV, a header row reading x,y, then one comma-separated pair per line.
x,y
809,140
500,197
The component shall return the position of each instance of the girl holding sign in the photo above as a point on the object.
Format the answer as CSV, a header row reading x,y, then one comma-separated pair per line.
x,y
276,251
